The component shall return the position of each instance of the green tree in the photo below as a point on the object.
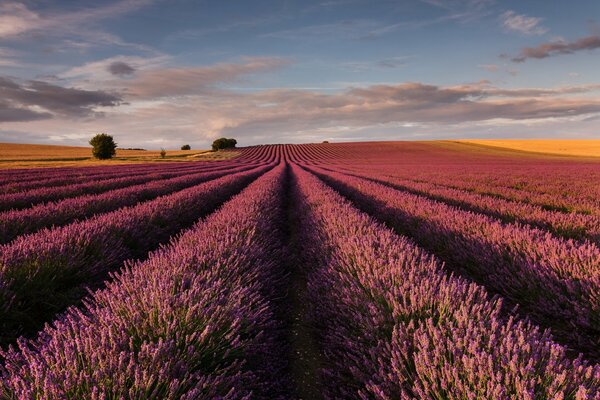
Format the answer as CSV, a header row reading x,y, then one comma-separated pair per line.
x,y
223,143
163,153
103,146
186,147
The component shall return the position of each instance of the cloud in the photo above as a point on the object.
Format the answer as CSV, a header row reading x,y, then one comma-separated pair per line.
x,y
393,62
299,115
282,113
522,23
38,100
120,68
489,67
346,29
16,18
180,81
10,113
551,49
18,22
96,74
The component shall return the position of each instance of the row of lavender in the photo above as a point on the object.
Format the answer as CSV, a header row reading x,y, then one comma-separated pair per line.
x,y
560,185
570,225
567,194
196,320
555,281
28,197
85,180
55,213
42,273
22,182
393,324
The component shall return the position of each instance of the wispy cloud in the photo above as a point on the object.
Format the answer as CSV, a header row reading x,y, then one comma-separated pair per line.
x,y
348,29
16,18
495,68
521,23
180,81
555,48
17,21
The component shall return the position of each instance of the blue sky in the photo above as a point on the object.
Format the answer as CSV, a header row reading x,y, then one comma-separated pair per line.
x,y
163,73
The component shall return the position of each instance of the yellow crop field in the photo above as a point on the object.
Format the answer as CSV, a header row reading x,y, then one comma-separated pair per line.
x,y
564,147
14,155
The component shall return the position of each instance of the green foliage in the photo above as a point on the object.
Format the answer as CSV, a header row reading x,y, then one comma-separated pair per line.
x,y
103,146
186,147
163,153
223,143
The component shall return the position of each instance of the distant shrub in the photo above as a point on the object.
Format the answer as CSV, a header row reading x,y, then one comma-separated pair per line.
x,y
163,153
103,146
325,141
186,147
223,143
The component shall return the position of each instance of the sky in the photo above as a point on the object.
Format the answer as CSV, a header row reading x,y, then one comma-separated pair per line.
x,y
162,73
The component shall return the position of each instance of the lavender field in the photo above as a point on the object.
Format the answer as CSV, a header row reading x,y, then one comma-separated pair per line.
x,y
379,270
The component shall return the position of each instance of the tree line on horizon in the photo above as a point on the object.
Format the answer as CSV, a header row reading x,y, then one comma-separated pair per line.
x,y
104,146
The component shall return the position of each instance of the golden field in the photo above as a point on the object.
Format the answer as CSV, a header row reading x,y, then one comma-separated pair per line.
x,y
572,147
14,155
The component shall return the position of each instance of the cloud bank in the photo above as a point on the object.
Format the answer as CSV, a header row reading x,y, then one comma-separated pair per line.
x,y
148,99
36,100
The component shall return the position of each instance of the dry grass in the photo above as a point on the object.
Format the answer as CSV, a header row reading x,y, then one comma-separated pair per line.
x,y
580,148
38,156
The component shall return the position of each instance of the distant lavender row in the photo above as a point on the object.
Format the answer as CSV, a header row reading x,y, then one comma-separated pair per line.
x,y
556,281
91,175
29,220
39,177
562,185
32,197
573,225
567,180
31,175
42,273
568,202
194,321
394,325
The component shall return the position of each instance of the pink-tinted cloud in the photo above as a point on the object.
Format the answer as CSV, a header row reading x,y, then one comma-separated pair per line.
x,y
551,49
16,18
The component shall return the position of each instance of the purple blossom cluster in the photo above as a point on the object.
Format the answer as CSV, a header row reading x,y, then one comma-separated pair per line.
x,y
42,273
393,324
194,321
18,222
556,281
